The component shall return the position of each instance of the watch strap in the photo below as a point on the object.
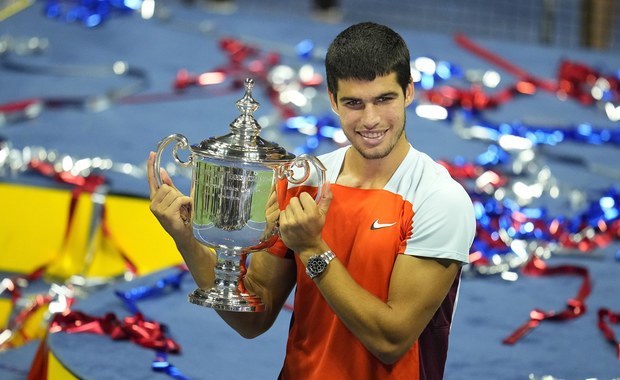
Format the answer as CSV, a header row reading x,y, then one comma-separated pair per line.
x,y
326,257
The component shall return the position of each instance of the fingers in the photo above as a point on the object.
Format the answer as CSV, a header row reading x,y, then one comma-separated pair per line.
x,y
272,208
309,204
301,212
273,198
272,216
165,178
272,213
306,204
164,197
185,209
326,199
152,180
301,222
295,210
150,175
171,208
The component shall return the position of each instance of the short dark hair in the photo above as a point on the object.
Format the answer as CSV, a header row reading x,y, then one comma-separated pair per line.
x,y
364,51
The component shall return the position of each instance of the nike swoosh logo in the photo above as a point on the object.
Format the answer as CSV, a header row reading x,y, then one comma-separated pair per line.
x,y
376,225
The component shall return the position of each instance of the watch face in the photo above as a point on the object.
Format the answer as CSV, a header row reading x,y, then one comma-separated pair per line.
x,y
316,265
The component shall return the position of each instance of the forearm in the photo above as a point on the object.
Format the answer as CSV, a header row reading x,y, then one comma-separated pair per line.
x,y
384,331
272,279
251,325
377,325
200,261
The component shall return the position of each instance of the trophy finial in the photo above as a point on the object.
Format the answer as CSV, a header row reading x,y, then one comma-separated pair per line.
x,y
243,143
247,105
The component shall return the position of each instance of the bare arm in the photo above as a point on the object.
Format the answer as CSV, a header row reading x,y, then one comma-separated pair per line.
x,y
272,278
172,209
387,329
268,276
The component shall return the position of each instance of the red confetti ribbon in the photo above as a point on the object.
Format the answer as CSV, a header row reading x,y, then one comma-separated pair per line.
x,y
475,98
607,331
38,368
14,287
575,307
82,184
15,324
243,60
485,179
506,65
574,80
135,328
577,79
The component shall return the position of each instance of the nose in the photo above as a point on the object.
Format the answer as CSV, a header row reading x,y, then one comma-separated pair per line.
x,y
370,116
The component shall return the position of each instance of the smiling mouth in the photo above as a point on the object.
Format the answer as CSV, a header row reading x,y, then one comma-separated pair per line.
x,y
372,135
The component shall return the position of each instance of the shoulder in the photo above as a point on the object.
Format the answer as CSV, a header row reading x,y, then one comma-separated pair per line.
x,y
419,177
333,162
334,155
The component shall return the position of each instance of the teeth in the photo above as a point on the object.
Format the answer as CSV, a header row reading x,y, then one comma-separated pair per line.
x,y
372,135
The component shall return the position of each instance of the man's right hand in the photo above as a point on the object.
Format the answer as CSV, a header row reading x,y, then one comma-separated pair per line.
x,y
171,207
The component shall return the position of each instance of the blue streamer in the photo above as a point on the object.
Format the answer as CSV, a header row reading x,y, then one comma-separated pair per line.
x,y
90,13
161,364
130,298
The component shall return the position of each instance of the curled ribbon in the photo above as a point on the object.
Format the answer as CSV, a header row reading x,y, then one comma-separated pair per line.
x,y
606,330
135,328
575,307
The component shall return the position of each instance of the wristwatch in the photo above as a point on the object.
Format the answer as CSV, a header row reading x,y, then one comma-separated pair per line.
x,y
318,263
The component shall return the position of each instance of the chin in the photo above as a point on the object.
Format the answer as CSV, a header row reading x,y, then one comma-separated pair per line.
x,y
374,154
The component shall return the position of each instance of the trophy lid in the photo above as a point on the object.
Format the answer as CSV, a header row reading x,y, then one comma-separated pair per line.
x,y
243,142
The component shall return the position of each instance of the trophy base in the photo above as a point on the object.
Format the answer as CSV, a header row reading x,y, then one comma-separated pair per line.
x,y
226,302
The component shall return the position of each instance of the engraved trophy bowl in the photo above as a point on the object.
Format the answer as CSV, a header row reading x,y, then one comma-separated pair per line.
x,y
233,177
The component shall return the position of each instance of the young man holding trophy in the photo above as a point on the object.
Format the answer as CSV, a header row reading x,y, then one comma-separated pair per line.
x,y
376,260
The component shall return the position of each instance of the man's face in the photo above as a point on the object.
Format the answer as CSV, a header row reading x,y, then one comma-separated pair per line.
x,y
372,113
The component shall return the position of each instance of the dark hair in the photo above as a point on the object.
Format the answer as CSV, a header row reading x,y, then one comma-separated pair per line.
x,y
364,51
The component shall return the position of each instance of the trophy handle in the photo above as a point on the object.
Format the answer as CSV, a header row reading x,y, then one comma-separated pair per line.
x,y
181,143
304,161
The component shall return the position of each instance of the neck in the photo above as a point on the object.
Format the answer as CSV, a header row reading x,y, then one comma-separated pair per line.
x,y
363,173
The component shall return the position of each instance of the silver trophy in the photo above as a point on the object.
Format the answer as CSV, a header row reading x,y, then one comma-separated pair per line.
x,y
233,177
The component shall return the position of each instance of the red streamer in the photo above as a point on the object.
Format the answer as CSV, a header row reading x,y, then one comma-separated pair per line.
x,y
243,60
16,323
575,307
14,287
574,80
606,330
38,368
135,328
506,65
82,184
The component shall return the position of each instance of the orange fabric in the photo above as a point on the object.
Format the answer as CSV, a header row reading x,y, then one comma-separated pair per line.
x,y
319,345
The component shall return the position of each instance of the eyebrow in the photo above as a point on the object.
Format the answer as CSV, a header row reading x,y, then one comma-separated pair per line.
x,y
385,94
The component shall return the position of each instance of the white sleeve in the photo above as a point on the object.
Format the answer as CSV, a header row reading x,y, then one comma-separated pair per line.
x,y
444,224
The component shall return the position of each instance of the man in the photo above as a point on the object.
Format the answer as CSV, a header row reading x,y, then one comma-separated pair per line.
x,y
377,261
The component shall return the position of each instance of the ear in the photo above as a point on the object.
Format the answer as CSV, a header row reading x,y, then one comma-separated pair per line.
x,y
409,93
332,102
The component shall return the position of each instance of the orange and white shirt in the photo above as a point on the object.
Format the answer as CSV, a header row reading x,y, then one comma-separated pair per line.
x,y
421,211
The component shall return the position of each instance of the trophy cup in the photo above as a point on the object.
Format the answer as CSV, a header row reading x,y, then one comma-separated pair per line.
x,y
232,179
